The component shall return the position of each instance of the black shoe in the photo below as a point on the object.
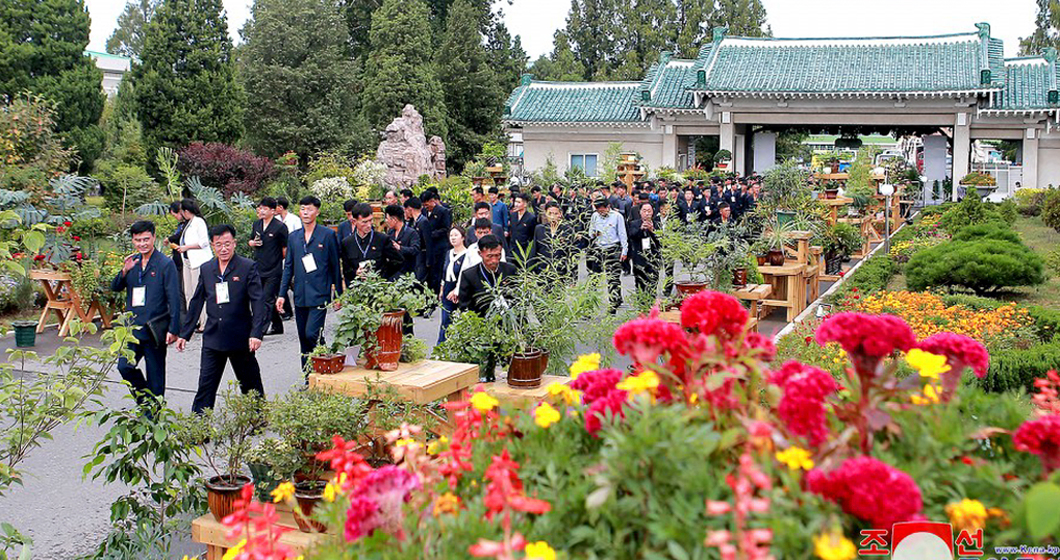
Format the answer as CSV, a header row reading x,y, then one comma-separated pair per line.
x,y
274,332
287,317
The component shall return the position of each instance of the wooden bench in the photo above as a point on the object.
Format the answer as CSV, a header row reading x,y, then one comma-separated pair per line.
x,y
516,397
788,285
208,531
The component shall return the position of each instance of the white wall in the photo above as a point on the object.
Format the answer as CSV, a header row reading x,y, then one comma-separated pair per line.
x,y
538,145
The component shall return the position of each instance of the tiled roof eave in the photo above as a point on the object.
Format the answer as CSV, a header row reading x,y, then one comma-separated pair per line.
x,y
840,94
630,124
1028,111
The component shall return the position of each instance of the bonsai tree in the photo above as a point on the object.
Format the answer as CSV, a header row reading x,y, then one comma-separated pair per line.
x,y
224,433
271,461
307,420
982,265
686,243
838,240
723,156
366,300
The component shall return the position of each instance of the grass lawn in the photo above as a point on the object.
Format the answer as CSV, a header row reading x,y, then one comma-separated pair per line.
x,y
1043,240
28,314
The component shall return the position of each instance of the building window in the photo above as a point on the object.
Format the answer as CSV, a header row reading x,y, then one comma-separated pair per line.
x,y
585,162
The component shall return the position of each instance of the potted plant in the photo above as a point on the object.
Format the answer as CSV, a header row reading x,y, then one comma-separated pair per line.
x,y
837,243
831,189
327,359
685,243
983,183
775,236
373,310
476,170
271,461
25,333
722,159
224,435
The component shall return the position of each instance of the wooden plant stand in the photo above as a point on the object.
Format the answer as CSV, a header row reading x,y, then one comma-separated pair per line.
x,y
208,531
65,302
789,287
515,397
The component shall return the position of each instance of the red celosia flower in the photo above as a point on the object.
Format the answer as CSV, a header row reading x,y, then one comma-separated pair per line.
x,y
596,384
611,403
870,490
505,490
67,223
764,344
714,313
960,351
1041,437
645,340
359,518
802,407
1047,398
867,339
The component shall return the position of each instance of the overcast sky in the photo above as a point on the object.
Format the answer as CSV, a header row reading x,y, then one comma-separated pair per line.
x,y
537,20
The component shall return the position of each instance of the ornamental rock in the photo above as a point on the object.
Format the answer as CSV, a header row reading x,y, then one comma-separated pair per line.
x,y
406,152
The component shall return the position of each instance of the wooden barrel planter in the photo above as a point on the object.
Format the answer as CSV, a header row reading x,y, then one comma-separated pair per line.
x,y
688,288
524,371
739,277
309,494
386,353
222,493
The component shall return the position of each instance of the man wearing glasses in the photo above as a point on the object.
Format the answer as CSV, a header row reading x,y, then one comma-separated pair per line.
x,y
236,317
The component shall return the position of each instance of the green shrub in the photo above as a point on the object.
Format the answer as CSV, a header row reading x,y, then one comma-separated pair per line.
x,y
1051,209
1017,369
1029,201
969,212
1046,321
94,228
983,266
972,302
992,230
126,187
1008,211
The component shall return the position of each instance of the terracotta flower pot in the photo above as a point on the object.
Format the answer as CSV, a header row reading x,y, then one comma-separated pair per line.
x,y
387,350
688,288
328,363
761,260
309,494
739,277
524,370
776,257
222,493
830,194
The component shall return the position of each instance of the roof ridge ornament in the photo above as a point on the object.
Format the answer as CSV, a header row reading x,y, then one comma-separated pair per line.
x,y
525,79
720,32
984,30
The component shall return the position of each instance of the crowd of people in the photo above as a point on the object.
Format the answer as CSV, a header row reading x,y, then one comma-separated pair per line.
x,y
300,267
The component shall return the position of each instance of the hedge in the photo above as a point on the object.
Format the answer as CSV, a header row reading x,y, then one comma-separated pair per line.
x,y
1046,321
1017,369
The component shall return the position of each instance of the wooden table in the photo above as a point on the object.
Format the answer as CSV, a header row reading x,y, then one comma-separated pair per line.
x,y
65,302
420,383
833,205
864,224
754,293
788,285
206,530
522,398
674,316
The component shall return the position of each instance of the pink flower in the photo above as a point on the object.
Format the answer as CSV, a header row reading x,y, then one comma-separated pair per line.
x,y
1041,437
379,498
802,407
596,384
611,405
866,338
762,343
718,508
360,518
960,351
645,340
870,490
714,313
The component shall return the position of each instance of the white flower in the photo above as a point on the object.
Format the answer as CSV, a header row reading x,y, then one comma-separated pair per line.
x,y
332,188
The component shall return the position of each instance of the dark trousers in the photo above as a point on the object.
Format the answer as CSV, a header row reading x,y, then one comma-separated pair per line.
x,y
154,361
271,289
448,308
669,270
435,263
608,260
646,277
288,311
212,367
310,324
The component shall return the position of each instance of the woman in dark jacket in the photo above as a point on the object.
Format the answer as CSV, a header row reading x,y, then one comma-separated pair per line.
x,y
454,262
174,240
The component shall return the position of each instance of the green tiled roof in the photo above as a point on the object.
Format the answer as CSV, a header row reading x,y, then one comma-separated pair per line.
x,y
572,102
667,84
915,64
1028,82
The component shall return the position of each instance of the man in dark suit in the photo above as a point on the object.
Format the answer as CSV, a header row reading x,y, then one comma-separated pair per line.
x,y
405,239
690,209
439,220
269,239
645,251
311,270
346,227
478,286
367,246
153,296
230,288
416,221
483,211
521,225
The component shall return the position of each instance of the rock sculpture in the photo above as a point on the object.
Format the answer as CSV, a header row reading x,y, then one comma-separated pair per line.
x,y
405,151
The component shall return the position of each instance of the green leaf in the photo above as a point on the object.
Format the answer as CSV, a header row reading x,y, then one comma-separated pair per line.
x,y
34,241
1043,509
160,434
676,551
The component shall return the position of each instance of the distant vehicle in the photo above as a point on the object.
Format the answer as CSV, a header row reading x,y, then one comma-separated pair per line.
x,y
887,156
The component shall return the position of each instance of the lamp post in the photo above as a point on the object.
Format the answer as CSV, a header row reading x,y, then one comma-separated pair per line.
x,y
887,189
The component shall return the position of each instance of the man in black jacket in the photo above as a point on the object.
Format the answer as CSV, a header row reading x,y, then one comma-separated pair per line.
x,y
478,289
645,251
483,211
415,220
439,220
405,239
521,225
230,288
269,239
367,245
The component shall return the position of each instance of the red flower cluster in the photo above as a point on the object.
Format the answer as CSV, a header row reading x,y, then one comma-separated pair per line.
x,y
345,460
870,490
762,343
867,339
1046,398
505,489
802,407
714,313
377,503
960,351
600,396
645,340
262,530
471,425
1041,437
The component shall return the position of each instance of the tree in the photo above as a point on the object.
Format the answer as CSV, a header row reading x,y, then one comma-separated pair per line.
x,y
185,86
561,66
399,69
128,37
1046,32
301,86
744,18
42,45
473,96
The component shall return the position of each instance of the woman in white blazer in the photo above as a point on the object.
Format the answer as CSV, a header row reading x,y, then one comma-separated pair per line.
x,y
195,245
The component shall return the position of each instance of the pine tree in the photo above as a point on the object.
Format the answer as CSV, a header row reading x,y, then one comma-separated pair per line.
x,y
42,44
744,18
473,93
299,81
506,55
399,69
561,66
185,84
1045,30
128,37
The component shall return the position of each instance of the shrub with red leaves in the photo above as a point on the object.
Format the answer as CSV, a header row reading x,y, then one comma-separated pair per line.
x,y
225,167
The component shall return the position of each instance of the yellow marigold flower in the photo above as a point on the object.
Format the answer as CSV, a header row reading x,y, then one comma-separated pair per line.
x,y
795,458
332,490
283,492
834,546
406,442
644,382
539,551
446,503
929,365
931,396
434,447
484,402
562,390
235,551
967,514
584,363
545,415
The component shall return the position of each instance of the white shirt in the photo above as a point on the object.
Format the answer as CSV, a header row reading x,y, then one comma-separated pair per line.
x,y
292,222
196,233
450,273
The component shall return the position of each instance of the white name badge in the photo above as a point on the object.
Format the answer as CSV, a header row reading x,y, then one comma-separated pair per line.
x,y
139,296
222,292
645,244
309,263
